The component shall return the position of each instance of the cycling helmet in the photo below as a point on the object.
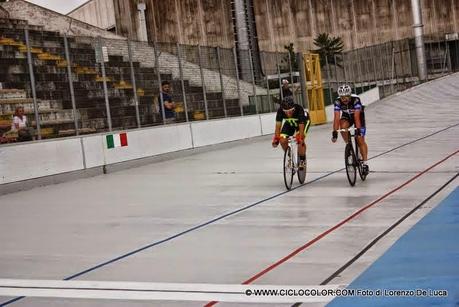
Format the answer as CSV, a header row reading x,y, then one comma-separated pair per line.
x,y
344,90
287,103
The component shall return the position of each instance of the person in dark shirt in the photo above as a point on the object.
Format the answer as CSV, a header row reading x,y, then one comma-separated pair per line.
x,y
349,111
291,118
166,100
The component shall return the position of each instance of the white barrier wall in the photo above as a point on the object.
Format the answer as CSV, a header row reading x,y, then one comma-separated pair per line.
x,y
94,153
220,131
370,96
268,123
149,142
33,160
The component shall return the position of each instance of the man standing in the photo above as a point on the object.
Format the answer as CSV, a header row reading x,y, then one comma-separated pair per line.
x,y
285,91
165,100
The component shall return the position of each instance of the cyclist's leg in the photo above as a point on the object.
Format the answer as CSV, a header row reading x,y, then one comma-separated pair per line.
x,y
363,145
361,139
302,147
344,123
286,131
301,153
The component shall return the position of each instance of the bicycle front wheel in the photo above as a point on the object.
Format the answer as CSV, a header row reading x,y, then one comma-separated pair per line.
x,y
351,164
302,172
288,168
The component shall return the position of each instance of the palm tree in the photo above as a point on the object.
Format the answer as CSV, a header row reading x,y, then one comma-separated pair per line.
x,y
328,47
285,65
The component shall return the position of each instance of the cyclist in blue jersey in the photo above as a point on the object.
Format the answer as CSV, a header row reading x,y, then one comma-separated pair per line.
x,y
349,111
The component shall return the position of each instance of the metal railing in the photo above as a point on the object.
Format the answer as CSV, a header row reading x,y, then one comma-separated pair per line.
x,y
77,85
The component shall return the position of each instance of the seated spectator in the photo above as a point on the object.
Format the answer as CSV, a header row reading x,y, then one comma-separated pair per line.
x,y
19,125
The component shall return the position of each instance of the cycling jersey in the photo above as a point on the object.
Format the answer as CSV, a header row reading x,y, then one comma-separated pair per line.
x,y
291,124
298,116
348,110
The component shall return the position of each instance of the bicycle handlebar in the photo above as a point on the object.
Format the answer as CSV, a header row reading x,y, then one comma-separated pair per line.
x,y
347,129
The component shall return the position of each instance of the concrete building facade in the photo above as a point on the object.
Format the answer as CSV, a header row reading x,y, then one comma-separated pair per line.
x,y
277,23
100,13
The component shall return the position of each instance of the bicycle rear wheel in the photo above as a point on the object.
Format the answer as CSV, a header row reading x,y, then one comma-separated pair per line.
x,y
288,168
351,164
302,172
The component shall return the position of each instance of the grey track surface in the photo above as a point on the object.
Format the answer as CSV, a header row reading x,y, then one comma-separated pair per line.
x,y
56,231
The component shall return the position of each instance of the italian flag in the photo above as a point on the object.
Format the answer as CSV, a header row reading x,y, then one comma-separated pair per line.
x,y
117,140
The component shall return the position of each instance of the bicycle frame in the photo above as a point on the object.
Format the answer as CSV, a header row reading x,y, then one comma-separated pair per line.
x,y
291,166
294,146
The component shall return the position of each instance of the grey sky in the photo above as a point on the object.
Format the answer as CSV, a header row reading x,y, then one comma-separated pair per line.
x,y
61,6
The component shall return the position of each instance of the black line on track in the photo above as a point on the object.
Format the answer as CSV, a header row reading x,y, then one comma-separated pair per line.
x,y
382,235
227,215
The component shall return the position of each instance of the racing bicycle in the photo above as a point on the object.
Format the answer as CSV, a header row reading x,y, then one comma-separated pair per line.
x,y
291,164
352,159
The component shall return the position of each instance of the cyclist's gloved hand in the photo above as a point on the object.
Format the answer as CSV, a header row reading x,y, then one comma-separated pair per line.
x,y
275,141
334,136
299,138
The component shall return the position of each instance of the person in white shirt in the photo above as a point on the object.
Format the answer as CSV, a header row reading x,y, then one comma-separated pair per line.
x,y
19,119
19,124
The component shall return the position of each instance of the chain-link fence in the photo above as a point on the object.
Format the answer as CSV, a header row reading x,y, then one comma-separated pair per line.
x,y
76,85
392,66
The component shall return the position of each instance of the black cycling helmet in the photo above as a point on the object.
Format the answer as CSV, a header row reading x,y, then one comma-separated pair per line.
x,y
287,103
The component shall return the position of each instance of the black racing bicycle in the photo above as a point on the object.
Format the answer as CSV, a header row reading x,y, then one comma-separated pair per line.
x,y
352,158
291,164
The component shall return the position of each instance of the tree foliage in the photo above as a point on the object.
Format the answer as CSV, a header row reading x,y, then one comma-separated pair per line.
x,y
285,65
328,46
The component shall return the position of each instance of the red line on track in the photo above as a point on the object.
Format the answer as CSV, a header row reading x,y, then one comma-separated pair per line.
x,y
323,234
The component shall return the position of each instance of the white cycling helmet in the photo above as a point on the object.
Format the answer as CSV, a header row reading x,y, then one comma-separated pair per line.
x,y
344,90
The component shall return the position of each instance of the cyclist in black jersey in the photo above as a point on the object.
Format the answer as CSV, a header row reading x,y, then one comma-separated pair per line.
x,y
294,119
349,111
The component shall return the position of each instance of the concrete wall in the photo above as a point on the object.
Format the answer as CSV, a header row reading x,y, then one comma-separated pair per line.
x,y
99,13
205,22
4,13
359,22
52,21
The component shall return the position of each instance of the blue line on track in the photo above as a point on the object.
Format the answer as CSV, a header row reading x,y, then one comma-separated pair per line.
x,y
423,263
226,215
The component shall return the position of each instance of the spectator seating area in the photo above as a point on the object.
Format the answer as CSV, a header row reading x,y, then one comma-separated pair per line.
x,y
53,91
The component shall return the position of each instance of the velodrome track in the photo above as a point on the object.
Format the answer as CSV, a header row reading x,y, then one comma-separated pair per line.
x,y
224,217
